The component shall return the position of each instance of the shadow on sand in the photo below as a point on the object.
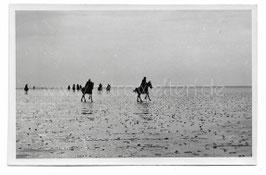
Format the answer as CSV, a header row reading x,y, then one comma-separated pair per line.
x,y
143,111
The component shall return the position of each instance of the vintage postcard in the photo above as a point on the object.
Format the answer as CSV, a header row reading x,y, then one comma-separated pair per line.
x,y
132,85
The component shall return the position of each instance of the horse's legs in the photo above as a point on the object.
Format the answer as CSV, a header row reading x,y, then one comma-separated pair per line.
x,y
83,97
148,96
140,98
91,98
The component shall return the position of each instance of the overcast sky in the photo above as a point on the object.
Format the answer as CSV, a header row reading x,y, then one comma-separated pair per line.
x,y
57,48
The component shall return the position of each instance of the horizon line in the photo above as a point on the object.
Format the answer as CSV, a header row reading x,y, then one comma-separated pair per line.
x,y
156,86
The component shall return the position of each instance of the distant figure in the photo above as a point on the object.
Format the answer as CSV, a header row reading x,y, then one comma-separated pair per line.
x,y
68,87
87,90
108,88
100,88
143,84
33,87
80,87
77,87
26,88
73,87
144,90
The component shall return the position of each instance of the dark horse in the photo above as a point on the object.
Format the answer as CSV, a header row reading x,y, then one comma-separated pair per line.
x,y
100,88
108,88
143,90
26,88
84,92
87,90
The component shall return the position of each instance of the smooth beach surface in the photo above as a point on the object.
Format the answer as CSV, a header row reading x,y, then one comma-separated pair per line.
x,y
54,123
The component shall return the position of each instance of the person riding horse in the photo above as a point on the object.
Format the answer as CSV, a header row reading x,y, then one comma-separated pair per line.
x,y
87,89
143,89
108,88
26,88
74,87
100,87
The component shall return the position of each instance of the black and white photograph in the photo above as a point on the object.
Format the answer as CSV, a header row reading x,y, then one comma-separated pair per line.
x,y
134,82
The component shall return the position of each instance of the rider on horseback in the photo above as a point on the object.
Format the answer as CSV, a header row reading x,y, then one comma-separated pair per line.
x,y
87,90
26,88
108,88
100,87
89,86
143,89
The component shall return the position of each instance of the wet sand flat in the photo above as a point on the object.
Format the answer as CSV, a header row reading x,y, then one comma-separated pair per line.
x,y
58,125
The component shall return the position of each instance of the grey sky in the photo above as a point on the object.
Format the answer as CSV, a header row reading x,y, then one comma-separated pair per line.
x,y
57,48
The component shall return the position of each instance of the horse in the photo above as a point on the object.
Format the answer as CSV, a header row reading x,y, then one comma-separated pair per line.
x,y
73,87
143,90
108,88
84,92
26,88
100,88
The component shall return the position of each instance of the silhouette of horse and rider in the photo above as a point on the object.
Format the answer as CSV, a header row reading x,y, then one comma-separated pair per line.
x,y
74,87
108,88
26,88
143,89
100,87
87,89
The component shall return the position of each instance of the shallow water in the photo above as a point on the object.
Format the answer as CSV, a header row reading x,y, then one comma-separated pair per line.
x,y
56,124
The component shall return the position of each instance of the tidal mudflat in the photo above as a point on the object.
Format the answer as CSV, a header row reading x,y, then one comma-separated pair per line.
x,y
58,125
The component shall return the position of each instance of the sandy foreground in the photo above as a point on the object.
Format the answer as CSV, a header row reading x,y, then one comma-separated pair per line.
x,y
58,125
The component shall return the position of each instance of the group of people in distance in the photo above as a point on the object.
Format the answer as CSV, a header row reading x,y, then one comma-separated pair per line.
x,y
74,87
79,87
26,88
87,89
142,89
